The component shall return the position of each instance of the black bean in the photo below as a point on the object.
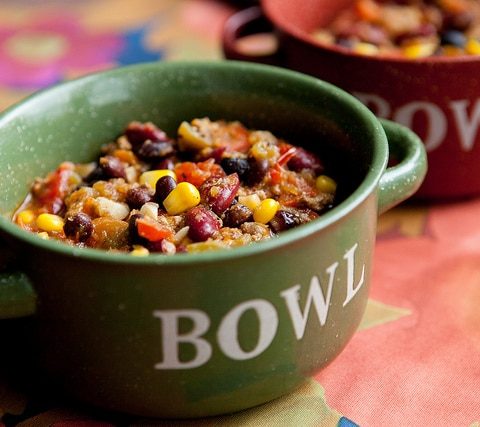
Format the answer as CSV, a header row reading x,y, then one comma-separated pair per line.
x,y
453,38
96,175
163,187
236,215
235,164
112,167
155,150
257,169
78,227
345,42
283,220
136,197
133,237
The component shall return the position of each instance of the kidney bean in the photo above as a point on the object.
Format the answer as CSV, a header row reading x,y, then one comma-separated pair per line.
x,y
163,187
136,197
303,159
424,30
112,167
236,215
163,246
137,133
78,227
202,223
219,192
460,21
257,169
217,154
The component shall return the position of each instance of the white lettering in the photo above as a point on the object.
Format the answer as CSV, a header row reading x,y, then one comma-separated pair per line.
x,y
437,124
175,340
171,338
315,296
352,290
228,331
467,128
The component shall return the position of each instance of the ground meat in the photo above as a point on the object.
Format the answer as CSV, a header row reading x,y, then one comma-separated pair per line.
x,y
256,230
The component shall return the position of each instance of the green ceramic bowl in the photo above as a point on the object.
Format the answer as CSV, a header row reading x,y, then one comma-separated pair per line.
x,y
199,334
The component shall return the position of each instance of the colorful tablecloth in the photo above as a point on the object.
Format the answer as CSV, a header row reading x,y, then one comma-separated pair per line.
x,y
415,361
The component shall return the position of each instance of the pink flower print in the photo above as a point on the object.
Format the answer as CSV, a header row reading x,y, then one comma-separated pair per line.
x,y
46,49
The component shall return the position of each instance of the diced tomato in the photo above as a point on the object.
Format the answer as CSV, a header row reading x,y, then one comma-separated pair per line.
x,y
153,231
368,10
198,173
51,192
294,188
286,156
276,175
302,186
238,140
284,146
290,200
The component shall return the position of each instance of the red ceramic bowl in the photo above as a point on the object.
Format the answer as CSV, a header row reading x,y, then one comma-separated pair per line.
x,y
437,97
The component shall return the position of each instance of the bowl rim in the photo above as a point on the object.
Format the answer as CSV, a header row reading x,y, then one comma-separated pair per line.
x,y
288,27
352,201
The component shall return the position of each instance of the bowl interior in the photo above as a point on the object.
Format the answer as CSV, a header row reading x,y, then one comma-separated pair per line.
x,y
302,17
72,120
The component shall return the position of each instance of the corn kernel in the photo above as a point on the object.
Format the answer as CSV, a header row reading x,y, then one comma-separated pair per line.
x,y
139,251
266,211
25,217
191,138
472,46
150,178
365,48
252,201
43,235
49,222
183,197
265,150
449,50
418,50
325,184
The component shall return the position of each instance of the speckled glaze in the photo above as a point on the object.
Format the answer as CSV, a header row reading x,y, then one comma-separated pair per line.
x,y
437,97
199,334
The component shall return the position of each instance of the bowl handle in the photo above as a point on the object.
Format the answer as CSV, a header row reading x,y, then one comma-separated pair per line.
x,y
403,179
17,297
248,22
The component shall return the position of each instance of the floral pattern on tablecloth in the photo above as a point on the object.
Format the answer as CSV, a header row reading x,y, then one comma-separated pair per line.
x,y
422,367
416,357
